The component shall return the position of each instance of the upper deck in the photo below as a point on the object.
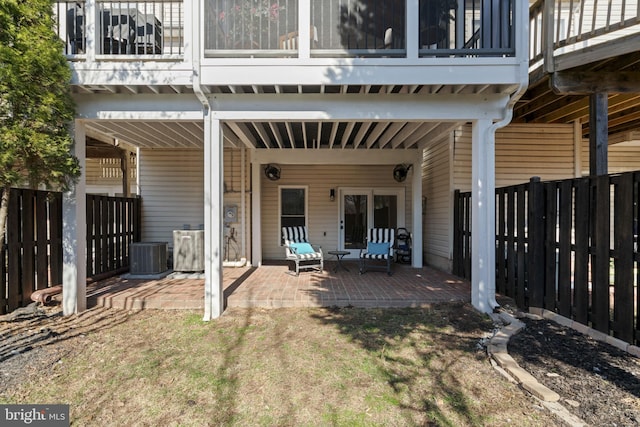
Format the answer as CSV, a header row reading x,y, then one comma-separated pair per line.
x,y
159,46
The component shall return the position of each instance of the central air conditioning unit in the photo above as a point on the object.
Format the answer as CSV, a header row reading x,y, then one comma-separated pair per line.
x,y
188,250
148,257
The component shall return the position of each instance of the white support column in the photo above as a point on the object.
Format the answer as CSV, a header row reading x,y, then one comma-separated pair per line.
x,y
213,193
416,197
74,234
243,202
483,265
256,213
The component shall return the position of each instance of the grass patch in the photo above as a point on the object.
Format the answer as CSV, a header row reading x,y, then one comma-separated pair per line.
x,y
348,366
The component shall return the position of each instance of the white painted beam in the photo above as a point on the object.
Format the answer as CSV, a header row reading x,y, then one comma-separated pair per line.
x,y
358,71
334,157
74,234
359,107
240,129
141,107
347,133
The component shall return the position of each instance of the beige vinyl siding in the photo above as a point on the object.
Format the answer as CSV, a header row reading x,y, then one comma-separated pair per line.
x,y
172,191
522,151
622,157
437,191
322,214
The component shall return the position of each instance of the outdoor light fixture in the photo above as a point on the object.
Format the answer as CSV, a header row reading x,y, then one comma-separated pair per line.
x,y
400,172
272,172
332,194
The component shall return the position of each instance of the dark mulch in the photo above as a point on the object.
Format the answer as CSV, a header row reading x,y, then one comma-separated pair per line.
x,y
596,381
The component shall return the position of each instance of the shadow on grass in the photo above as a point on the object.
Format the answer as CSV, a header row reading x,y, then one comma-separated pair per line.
x,y
37,329
410,343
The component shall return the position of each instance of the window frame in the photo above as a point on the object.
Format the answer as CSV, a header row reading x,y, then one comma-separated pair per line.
x,y
306,207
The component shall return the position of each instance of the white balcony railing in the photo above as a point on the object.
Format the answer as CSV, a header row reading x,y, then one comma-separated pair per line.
x,y
363,28
138,28
270,28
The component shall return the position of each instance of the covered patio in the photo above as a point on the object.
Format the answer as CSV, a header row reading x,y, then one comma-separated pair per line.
x,y
275,286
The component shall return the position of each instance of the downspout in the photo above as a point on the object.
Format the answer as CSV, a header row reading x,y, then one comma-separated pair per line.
x,y
491,139
196,53
195,58
522,46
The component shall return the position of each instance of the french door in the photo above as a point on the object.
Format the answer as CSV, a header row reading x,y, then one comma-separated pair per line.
x,y
364,208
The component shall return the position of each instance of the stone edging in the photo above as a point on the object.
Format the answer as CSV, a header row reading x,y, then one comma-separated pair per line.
x,y
497,350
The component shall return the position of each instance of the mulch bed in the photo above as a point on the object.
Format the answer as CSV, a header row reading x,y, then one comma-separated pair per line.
x,y
597,382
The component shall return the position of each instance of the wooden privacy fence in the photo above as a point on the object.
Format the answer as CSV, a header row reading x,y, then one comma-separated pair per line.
x,y
567,246
31,256
113,223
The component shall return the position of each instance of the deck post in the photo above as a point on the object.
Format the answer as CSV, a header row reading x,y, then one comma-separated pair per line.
x,y
598,133
416,197
213,192
256,212
74,234
483,246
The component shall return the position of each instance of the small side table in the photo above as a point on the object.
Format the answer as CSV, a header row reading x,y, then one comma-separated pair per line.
x,y
339,255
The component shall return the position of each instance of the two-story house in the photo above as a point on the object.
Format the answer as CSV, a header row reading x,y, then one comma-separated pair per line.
x,y
291,112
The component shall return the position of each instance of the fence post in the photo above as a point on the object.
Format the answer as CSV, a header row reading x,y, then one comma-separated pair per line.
x,y
535,234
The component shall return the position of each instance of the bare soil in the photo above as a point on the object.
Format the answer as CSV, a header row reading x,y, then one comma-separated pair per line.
x,y
597,382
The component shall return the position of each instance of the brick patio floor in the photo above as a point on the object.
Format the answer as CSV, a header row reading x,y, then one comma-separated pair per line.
x,y
273,286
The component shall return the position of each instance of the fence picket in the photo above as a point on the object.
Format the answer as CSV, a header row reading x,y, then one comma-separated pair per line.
x,y
511,242
521,284
42,241
501,285
600,260
565,215
623,259
14,233
28,246
550,244
581,263
55,243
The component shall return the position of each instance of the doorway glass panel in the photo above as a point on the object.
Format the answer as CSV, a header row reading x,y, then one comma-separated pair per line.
x,y
355,220
385,211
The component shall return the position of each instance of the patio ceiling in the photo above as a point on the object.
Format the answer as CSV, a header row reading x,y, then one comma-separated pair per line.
x,y
281,134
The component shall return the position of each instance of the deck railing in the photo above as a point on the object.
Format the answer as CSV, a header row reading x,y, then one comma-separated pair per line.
x,y
558,26
359,28
138,28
